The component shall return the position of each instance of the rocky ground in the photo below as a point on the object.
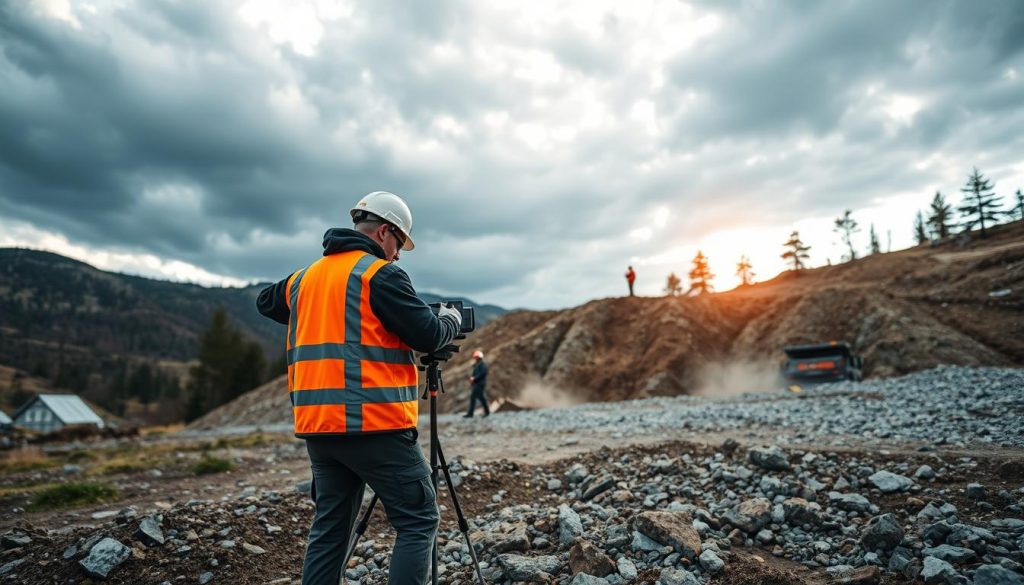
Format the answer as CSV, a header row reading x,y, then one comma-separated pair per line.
x,y
917,479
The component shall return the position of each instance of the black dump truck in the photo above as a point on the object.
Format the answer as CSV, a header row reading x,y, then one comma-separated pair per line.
x,y
817,363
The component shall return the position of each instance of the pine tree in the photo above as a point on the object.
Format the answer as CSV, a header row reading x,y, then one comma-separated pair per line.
x,y
846,226
797,251
980,202
875,245
743,270
920,234
700,275
673,286
228,367
1019,208
940,217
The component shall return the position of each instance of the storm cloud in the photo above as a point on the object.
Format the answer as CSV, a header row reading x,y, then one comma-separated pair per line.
x,y
542,149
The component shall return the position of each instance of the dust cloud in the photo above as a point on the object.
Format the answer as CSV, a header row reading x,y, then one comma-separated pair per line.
x,y
536,394
736,377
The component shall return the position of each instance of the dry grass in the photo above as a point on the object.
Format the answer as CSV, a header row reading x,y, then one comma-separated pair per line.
x,y
29,459
66,495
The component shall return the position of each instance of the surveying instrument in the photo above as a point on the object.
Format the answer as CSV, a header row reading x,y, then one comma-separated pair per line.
x,y
431,364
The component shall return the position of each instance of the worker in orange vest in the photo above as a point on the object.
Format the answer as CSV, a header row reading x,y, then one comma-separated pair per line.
x,y
354,321
630,278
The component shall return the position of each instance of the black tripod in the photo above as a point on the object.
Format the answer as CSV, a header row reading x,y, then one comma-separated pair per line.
x,y
431,364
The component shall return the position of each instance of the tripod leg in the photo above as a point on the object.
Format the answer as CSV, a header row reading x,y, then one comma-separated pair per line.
x,y
463,524
358,533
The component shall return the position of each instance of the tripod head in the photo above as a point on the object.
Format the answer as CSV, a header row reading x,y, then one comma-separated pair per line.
x,y
441,355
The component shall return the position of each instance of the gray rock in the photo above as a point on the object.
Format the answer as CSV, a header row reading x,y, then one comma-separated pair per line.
x,y
554,485
710,562
253,549
14,540
600,486
569,525
586,558
925,472
577,473
751,515
627,569
950,553
889,482
849,502
938,571
11,566
771,458
149,532
304,486
205,578
800,511
996,575
72,469
643,543
105,556
883,533
522,568
672,576
975,491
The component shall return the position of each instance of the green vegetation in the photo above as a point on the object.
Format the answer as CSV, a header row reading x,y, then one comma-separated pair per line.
x,y
208,465
72,494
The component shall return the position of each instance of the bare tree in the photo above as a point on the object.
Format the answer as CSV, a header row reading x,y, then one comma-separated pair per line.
x,y
980,202
796,251
940,218
673,286
846,226
743,270
1019,207
700,275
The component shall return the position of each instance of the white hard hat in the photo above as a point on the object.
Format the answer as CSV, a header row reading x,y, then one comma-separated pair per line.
x,y
391,209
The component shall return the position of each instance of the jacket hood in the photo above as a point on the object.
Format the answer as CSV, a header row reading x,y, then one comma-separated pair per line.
x,y
337,240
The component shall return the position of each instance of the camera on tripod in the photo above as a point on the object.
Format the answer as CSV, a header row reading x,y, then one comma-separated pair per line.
x,y
468,319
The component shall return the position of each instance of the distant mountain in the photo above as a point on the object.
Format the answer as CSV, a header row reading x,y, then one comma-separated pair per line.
x,y
79,326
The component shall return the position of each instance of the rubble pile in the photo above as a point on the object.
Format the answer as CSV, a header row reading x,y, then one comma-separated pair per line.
x,y
947,405
681,516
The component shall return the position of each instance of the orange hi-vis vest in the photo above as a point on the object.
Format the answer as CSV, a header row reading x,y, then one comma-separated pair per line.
x,y
346,373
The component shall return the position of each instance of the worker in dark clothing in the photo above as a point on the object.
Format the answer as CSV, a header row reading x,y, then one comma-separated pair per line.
x,y
354,321
477,385
630,279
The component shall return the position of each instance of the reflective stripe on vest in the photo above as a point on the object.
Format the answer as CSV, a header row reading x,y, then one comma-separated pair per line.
x,y
346,373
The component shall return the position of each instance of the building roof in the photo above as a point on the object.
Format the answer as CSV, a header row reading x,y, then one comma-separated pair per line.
x,y
69,408
4,419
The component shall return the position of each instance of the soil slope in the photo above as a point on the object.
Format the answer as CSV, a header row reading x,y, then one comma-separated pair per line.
x,y
958,302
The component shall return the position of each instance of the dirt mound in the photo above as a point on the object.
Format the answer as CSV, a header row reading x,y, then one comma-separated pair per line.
x,y
958,302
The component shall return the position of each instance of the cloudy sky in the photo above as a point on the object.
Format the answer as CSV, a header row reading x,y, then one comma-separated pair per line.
x,y
543,146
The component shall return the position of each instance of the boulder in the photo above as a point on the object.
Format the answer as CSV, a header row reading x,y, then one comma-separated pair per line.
x,y
996,575
569,525
530,569
799,511
883,533
889,482
771,458
938,571
584,557
751,515
674,529
105,556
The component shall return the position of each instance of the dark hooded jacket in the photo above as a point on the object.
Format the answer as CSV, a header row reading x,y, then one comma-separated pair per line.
x,y
392,297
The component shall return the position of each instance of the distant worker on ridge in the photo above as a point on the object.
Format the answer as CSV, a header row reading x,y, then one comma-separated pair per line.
x,y
478,384
630,278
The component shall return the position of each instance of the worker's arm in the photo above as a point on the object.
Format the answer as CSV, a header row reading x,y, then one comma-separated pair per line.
x,y
395,303
272,303
481,375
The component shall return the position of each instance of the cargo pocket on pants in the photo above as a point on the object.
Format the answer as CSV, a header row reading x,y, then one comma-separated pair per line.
x,y
416,493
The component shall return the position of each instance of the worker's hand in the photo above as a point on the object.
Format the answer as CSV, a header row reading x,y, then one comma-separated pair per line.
x,y
471,379
450,311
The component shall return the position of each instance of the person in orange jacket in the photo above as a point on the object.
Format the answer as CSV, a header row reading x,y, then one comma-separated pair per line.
x,y
630,278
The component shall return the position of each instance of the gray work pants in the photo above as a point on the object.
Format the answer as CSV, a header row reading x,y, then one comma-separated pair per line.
x,y
393,465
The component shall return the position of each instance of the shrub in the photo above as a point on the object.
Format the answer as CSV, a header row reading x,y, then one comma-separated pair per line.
x,y
208,465
66,495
